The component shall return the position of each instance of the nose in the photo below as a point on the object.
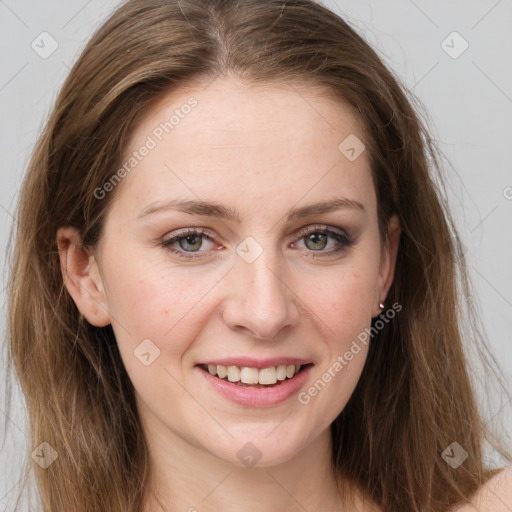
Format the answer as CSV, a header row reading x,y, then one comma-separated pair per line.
x,y
260,301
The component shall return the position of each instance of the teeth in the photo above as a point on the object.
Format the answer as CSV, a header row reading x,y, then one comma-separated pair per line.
x,y
233,374
281,372
268,375
222,371
246,375
249,375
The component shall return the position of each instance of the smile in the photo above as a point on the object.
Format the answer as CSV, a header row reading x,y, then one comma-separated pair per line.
x,y
245,376
255,383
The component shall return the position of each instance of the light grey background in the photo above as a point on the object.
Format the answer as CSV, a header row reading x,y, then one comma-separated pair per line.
x,y
468,98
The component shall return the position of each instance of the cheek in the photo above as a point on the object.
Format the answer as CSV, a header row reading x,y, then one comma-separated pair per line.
x,y
344,306
344,302
150,301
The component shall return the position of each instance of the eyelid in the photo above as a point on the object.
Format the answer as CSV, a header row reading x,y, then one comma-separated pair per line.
x,y
343,239
322,227
298,234
189,231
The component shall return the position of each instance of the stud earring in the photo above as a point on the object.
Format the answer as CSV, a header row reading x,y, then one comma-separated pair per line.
x,y
381,305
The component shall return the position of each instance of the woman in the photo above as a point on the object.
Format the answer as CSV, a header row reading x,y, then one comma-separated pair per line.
x,y
234,281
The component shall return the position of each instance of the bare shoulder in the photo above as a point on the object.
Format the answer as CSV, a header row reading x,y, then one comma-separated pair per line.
x,y
493,496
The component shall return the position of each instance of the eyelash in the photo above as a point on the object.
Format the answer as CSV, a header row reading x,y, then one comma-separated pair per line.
x,y
341,237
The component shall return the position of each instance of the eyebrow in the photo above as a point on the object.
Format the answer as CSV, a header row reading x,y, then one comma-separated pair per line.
x,y
213,209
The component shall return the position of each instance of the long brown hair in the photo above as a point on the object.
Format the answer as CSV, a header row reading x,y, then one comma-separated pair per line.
x,y
414,397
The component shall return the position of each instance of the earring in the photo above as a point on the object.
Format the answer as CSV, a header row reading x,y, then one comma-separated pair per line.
x,y
381,305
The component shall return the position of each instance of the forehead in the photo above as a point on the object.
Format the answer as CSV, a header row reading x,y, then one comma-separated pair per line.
x,y
228,110
229,141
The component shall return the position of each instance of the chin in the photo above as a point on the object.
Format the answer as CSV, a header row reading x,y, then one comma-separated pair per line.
x,y
260,450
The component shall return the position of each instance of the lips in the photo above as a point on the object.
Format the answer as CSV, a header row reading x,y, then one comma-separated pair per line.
x,y
255,394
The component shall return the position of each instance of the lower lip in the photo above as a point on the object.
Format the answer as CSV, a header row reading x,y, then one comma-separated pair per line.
x,y
258,397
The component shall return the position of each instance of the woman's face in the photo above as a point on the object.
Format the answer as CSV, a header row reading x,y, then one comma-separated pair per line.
x,y
251,272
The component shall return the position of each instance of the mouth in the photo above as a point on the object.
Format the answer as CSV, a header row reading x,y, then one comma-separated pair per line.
x,y
257,378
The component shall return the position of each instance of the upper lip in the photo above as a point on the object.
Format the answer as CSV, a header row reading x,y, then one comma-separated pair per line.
x,y
250,362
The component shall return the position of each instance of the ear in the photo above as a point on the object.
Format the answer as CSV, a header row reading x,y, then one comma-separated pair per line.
x,y
81,277
387,264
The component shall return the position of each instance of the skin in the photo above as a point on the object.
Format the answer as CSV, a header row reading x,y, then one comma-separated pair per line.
x,y
262,150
